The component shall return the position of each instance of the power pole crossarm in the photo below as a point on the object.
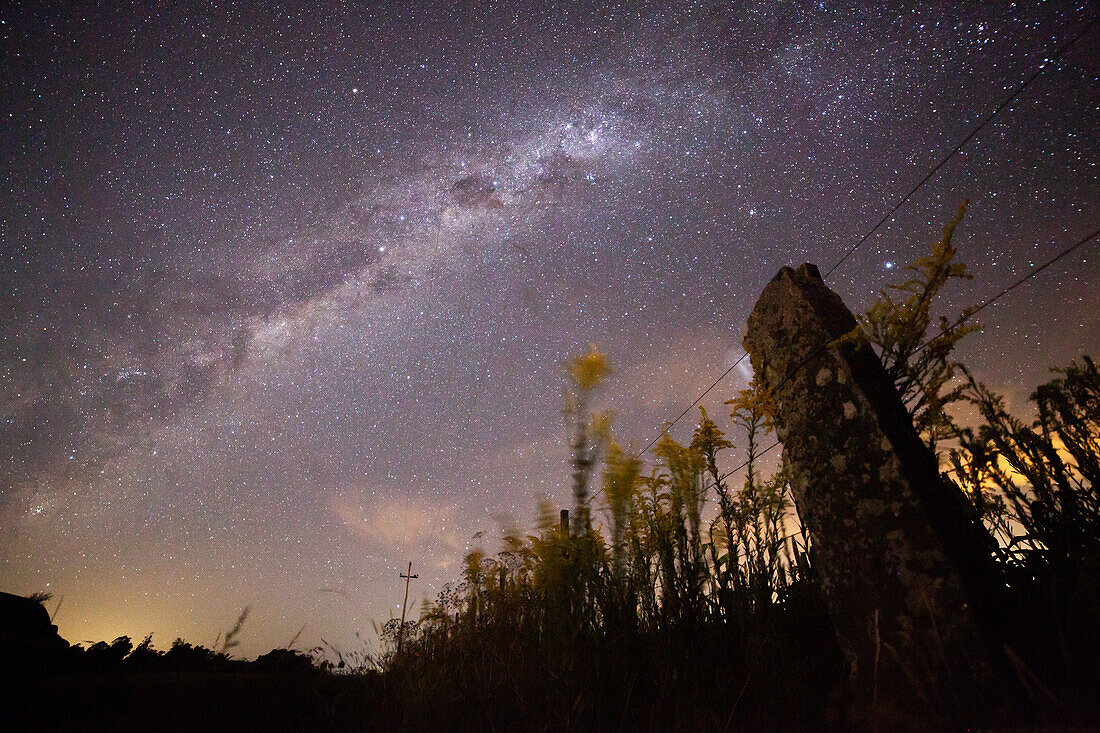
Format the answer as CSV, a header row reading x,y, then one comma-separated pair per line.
x,y
408,576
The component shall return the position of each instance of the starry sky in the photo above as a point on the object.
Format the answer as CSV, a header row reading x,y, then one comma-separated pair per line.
x,y
287,292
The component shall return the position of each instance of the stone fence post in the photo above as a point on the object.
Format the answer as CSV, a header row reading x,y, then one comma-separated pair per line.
x,y
900,556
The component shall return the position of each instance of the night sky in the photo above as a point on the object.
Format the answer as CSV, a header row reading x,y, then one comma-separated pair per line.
x,y
287,292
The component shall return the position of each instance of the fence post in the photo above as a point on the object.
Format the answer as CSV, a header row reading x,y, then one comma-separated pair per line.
x,y
564,527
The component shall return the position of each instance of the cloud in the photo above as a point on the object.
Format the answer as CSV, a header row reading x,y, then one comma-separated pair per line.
x,y
676,373
384,525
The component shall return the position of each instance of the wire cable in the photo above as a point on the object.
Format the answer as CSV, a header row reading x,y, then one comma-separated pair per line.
x,y
935,169
943,161
687,409
962,319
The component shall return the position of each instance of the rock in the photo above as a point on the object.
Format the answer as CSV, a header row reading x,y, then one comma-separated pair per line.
x,y
901,559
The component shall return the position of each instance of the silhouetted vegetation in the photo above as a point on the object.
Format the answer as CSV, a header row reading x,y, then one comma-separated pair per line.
x,y
676,599
678,596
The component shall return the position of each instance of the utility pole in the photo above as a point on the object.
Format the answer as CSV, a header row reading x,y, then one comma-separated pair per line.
x,y
401,631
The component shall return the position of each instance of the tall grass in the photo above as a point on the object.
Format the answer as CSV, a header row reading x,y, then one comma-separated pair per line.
x,y
657,609
675,599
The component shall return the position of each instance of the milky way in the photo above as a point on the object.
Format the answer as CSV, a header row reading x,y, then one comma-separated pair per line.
x,y
287,293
